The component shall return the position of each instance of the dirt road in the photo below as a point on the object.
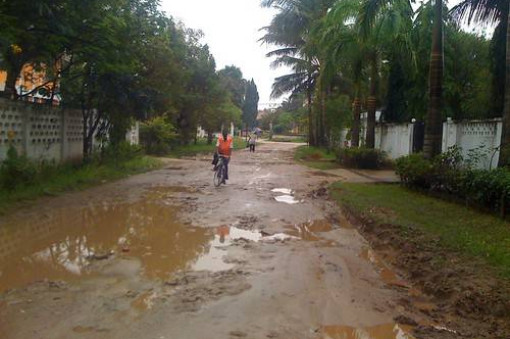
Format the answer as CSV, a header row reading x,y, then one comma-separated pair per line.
x,y
167,255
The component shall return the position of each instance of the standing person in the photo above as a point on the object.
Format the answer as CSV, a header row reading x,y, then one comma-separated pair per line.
x,y
224,147
251,142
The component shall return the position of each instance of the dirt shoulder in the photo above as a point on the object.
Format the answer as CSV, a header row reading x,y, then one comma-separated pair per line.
x,y
447,285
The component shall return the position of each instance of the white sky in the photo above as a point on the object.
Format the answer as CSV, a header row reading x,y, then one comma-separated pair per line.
x,y
232,31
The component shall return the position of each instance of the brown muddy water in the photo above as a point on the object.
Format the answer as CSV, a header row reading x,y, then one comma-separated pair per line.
x,y
144,237
385,331
385,272
64,244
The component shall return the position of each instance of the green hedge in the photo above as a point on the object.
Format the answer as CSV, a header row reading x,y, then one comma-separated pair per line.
x,y
450,174
363,158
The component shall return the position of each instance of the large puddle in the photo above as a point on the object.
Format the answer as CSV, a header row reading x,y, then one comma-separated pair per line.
x,y
62,244
120,239
385,331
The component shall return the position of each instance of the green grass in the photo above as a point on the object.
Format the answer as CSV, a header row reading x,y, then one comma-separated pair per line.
x,y
468,231
202,148
315,157
283,138
55,180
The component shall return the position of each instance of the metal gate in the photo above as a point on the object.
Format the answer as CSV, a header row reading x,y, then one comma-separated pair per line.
x,y
418,136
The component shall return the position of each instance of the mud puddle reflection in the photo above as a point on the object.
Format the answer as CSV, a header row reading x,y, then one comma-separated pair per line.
x,y
386,331
386,274
311,231
114,239
286,196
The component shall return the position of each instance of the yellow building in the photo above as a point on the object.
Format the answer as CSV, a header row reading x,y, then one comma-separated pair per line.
x,y
28,80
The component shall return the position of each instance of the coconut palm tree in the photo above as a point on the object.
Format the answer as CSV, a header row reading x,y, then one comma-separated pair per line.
x,y
368,16
433,123
290,29
370,35
493,11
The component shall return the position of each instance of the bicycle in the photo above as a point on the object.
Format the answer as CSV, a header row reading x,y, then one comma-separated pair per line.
x,y
220,172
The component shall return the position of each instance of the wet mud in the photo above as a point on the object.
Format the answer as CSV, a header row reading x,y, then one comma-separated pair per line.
x,y
448,295
167,255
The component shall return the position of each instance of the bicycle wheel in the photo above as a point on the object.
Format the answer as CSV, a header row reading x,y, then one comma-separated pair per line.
x,y
219,175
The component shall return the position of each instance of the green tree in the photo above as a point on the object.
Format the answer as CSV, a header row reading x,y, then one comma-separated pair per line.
x,y
232,79
291,30
494,11
433,123
250,107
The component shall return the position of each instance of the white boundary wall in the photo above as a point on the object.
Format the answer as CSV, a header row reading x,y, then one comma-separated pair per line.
x,y
482,137
395,139
40,132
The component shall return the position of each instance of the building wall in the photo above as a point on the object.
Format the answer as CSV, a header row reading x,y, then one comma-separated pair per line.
x,y
40,132
395,139
476,138
481,138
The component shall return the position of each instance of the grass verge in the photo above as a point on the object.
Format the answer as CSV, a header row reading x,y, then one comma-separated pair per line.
x,y
315,157
458,228
283,138
202,148
69,178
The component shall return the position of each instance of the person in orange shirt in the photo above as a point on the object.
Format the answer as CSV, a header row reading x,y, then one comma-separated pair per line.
x,y
224,146
223,231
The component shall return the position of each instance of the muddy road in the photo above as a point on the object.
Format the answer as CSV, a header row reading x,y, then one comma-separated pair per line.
x,y
167,255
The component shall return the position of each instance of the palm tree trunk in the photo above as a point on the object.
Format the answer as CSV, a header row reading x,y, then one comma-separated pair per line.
x,y
356,109
322,121
371,105
311,139
504,156
433,123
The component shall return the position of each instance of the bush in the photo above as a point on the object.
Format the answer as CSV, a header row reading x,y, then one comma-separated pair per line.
x,y
450,173
119,152
364,158
16,170
414,170
156,135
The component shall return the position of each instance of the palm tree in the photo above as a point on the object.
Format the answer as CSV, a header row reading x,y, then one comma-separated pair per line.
x,y
290,29
493,11
375,26
433,124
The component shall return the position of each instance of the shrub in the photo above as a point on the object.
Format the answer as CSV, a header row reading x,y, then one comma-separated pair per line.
x,y
16,170
157,135
450,173
364,158
414,170
119,152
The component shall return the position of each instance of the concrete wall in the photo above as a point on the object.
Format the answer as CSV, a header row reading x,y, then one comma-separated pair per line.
x,y
481,137
476,138
395,139
40,132
133,134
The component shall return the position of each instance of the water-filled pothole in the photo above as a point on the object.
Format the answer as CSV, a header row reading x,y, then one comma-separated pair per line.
x,y
385,331
72,243
112,239
286,196
288,199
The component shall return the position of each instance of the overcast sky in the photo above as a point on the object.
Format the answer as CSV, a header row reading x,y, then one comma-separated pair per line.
x,y
232,28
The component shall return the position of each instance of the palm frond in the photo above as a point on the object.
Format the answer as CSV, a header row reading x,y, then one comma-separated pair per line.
x,y
480,11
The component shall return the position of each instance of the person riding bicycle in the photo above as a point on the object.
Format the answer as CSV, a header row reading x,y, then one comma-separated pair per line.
x,y
224,146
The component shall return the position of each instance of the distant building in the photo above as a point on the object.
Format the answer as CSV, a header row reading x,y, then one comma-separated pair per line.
x,y
30,79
